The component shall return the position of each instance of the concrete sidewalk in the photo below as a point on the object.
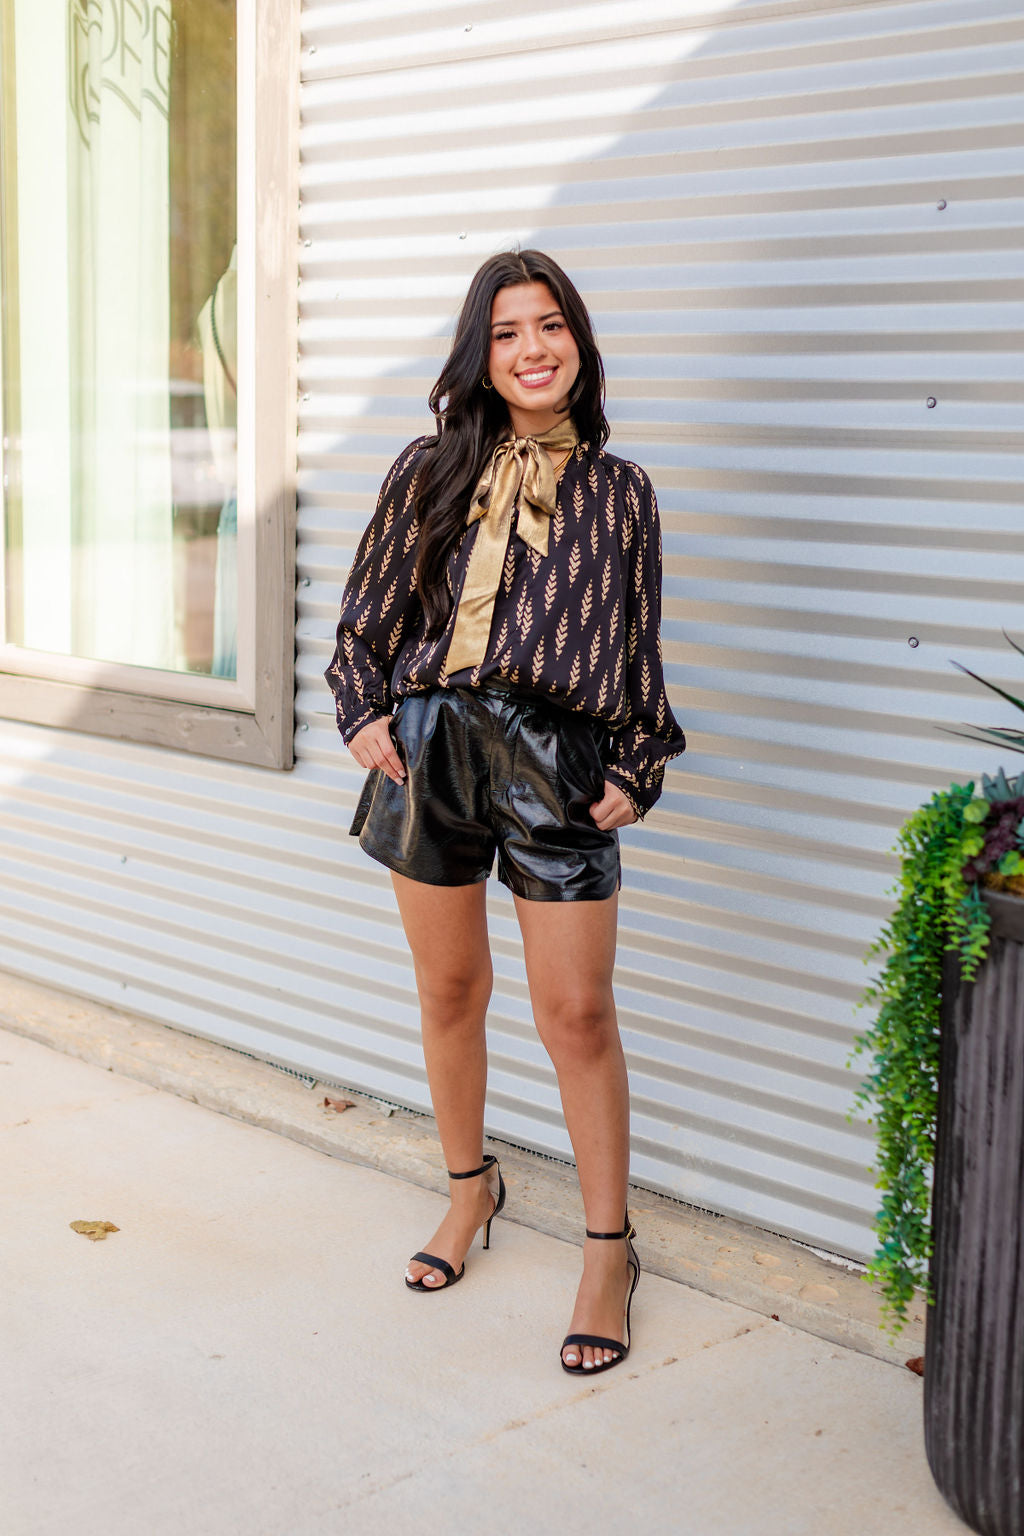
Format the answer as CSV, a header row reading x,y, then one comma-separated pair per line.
x,y
241,1356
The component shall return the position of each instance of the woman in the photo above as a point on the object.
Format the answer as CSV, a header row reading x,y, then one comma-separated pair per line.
x,y
507,595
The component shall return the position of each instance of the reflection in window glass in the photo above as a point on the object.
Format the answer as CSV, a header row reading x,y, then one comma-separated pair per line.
x,y
120,330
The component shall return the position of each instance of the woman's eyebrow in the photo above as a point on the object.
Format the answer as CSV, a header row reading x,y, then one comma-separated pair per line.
x,y
497,325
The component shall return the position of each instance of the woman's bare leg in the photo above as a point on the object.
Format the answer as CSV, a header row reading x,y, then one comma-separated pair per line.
x,y
446,927
570,953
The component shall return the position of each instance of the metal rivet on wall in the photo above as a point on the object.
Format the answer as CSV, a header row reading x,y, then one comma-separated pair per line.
x,y
307,243
469,28
931,402
940,205
312,47
913,641
462,234
306,580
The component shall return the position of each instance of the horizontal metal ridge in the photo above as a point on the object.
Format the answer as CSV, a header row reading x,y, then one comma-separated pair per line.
x,y
334,61
385,134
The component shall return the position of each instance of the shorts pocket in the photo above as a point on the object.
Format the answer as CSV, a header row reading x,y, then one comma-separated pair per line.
x,y
580,767
364,802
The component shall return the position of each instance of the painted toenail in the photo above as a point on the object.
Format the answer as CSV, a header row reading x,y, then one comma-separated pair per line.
x,y
588,1365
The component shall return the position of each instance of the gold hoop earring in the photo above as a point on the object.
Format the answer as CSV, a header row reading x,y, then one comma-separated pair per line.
x,y
485,381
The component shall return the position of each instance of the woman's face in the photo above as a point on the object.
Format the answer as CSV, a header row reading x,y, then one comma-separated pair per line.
x,y
533,361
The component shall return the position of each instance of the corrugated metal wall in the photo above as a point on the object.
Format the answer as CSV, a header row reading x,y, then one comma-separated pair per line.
x,y
799,229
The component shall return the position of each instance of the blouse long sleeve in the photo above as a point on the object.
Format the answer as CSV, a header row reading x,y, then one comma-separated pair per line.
x,y
379,606
650,737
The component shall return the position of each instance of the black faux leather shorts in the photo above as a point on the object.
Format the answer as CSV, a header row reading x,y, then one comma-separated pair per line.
x,y
490,770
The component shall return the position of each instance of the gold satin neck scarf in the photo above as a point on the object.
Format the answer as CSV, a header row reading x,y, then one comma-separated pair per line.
x,y
519,467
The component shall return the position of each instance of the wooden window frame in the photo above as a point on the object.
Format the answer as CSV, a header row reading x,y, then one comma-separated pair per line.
x,y
250,720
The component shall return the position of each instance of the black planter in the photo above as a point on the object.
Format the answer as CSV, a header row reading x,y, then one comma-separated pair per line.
x,y
974,1340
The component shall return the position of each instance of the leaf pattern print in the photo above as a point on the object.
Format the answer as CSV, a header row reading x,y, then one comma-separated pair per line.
x,y
551,589
645,681
389,598
562,633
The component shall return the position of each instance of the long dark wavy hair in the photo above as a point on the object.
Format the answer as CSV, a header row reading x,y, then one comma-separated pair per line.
x,y
471,419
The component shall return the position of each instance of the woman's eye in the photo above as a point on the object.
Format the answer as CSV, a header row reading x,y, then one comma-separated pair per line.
x,y
504,335
554,325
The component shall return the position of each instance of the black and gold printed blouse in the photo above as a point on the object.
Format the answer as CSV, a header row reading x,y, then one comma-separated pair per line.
x,y
579,625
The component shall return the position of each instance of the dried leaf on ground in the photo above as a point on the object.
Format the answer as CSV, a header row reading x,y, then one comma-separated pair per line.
x,y
916,1365
339,1104
95,1231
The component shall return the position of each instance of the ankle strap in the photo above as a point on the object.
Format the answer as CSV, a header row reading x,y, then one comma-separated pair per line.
x,y
628,1231
490,1161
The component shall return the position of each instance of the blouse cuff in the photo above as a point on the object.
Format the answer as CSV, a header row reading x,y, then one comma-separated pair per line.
x,y
372,709
625,780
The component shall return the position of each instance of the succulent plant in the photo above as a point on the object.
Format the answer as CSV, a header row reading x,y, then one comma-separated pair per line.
x,y
1002,788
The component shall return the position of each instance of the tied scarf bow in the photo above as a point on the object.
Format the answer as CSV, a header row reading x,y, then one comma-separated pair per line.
x,y
519,468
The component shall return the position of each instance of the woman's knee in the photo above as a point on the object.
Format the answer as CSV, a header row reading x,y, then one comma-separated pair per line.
x,y
454,994
578,1028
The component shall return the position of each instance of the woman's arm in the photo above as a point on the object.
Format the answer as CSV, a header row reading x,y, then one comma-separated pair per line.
x,y
651,736
379,606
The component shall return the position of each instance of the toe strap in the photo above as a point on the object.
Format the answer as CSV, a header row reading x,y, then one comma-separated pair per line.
x,y
594,1341
436,1263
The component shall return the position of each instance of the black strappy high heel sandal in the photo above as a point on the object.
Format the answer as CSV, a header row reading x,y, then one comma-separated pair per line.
x,y
628,1232
451,1278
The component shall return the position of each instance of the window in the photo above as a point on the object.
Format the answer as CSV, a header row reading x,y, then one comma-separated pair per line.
x,y
148,472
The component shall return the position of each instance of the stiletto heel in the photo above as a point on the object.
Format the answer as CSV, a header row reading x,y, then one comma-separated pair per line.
x,y
451,1278
628,1233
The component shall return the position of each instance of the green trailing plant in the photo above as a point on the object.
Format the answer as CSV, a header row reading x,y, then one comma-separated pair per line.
x,y
949,849
936,909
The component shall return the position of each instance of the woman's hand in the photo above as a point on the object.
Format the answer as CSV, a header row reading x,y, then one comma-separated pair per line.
x,y
614,810
372,747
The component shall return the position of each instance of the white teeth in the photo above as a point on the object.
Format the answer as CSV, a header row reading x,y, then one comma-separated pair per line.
x,y
532,378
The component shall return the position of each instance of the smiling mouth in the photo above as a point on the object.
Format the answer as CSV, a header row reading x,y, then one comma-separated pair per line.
x,y
536,378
